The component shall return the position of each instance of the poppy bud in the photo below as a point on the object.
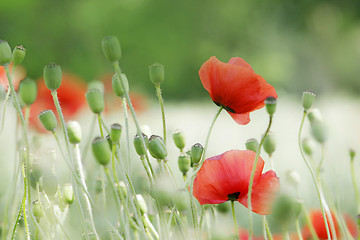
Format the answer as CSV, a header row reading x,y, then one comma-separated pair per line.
x,y
157,147
307,99
179,139
68,194
50,184
223,207
18,55
315,116
293,178
101,151
270,105
352,153
118,87
252,144
28,91
139,147
184,162
308,145
74,132
95,101
196,153
96,85
156,73
5,53
48,120
111,48
142,204
269,144
115,132
121,187
52,76
283,209
319,131
37,210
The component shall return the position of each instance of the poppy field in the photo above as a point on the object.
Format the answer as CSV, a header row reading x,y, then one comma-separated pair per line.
x,y
98,161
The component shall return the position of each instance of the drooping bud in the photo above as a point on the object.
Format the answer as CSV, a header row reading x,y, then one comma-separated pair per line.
x,y
352,153
139,147
68,194
179,139
28,91
307,99
270,105
142,204
96,85
18,55
74,132
293,178
252,144
50,184
37,210
223,207
196,153
101,150
111,48
308,146
156,73
52,76
157,147
319,131
269,144
115,132
118,87
184,162
314,115
48,120
95,101
5,53
121,187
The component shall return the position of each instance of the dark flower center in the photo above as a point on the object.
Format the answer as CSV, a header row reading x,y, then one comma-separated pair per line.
x,y
233,196
226,108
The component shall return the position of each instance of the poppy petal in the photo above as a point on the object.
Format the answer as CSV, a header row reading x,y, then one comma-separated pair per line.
x,y
241,119
240,61
205,73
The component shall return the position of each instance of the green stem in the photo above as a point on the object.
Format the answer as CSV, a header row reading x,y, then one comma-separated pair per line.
x,y
356,191
234,216
24,204
152,229
4,110
100,127
309,223
148,173
126,117
267,228
161,101
16,222
89,137
298,229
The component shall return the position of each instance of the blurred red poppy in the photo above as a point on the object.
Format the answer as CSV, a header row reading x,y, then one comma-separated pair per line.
x,y
226,177
319,225
235,86
20,74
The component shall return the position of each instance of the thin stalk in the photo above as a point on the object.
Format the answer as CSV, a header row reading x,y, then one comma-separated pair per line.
x,y
24,204
234,216
267,228
285,232
126,118
309,223
16,222
148,173
161,101
152,229
100,127
103,190
4,110
298,229
356,191
89,137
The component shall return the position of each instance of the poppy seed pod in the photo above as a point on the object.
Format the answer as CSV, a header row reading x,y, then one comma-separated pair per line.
x,y
37,210
28,91
118,87
157,147
111,48
179,139
142,204
139,147
95,100
96,85
74,132
184,162
5,53
269,144
352,153
270,105
319,131
307,100
50,184
115,132
156,73
18,55
196,153
101,150
48,120
252,144
68,194
52,76
308,145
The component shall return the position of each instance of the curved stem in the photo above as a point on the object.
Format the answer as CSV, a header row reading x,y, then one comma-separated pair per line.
x,y
161,101
234,217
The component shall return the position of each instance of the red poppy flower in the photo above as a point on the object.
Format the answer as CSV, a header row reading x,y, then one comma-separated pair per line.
x,y
19,75
317,221
235,86
226,177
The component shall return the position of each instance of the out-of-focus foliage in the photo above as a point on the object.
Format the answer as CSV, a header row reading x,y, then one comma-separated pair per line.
x,y
294,45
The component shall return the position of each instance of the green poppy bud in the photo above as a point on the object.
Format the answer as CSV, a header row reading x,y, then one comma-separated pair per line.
x,y
308,145
269,144
115,132
52,76
142,204
252,144
179,139
68,194
270,105
28,91
314,115
108,139
18,55
95,100
319,131
96,85
48,120
283,209
293,178
352,153
118,87
184,162
101,150
5,53
157,147
111,48
156,73
223,207
196,153
307,100
139,147
74,132
37,210
50,184
121,187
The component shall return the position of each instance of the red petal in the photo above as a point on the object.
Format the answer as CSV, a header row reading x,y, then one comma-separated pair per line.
x,y
350,223
242,119
263,193
205,73
240,61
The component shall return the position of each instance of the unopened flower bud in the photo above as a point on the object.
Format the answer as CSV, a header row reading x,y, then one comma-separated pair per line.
x,y
48,120
352,153
184,162
95,101
96,85
293,178
117,85
252,144
37,210
5,53
68,194
111,48
157,147
307,99
196,153
223,207
18,55
179,139
101,150
156,73
308,146
142,204
139,147
52,76
121,187
319,131
314,115
115,132
269,144
28,91
270,105
74,132
50,184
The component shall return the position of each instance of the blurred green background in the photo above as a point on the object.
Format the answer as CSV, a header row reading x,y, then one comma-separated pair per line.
x,y
294,45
